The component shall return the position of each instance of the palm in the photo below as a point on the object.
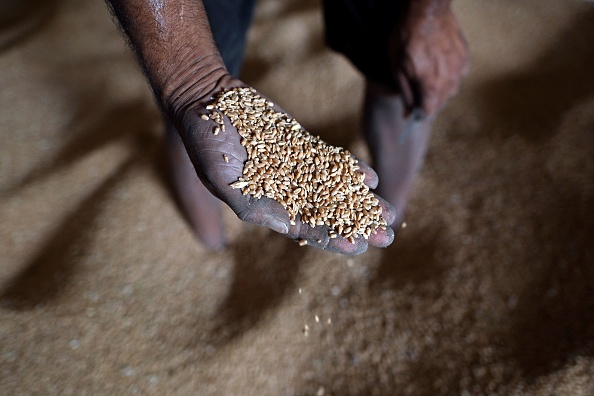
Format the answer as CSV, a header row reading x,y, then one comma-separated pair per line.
x,y
219,158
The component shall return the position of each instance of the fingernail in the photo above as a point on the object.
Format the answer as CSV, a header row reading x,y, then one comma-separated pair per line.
x,y
276,225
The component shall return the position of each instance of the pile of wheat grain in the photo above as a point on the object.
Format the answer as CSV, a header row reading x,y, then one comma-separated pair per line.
x,y
310,178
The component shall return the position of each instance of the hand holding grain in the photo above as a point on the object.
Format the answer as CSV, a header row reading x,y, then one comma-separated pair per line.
x,y
215,147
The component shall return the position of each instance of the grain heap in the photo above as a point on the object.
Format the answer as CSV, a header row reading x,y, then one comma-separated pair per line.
x,y
309,177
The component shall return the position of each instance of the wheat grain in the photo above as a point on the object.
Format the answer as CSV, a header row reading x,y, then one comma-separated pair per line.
x,y
311,179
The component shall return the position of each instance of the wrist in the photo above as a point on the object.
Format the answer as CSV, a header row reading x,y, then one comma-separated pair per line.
x,y
189,82
175,47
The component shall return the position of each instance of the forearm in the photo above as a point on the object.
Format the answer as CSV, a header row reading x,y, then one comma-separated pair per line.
x,y
174,44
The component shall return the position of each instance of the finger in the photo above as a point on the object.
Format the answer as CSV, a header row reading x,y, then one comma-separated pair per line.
x,y
407,91
453,86
462,51
318,237
388,212
371,178
381,238
264,212
384,237
345,246
434,86
456,68
431,101
314,236
463,63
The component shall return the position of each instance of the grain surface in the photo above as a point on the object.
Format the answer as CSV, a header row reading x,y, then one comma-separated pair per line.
x,y
314,181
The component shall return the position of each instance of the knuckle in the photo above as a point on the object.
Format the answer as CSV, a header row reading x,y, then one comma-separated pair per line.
x,y
246,214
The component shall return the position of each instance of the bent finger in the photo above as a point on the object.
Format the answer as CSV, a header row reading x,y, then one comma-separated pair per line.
x,y
388,212
347,247
318,237
371,178
381,237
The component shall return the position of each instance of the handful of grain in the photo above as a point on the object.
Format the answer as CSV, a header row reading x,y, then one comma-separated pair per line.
x,y
306,175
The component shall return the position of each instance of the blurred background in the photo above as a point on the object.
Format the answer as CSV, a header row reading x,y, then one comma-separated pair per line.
x,y
488,290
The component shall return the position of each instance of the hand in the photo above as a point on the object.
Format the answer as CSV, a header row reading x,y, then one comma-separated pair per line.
x,y
429,56
207,150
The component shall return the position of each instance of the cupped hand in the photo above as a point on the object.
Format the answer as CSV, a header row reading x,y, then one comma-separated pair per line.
x,y
429,56
219,159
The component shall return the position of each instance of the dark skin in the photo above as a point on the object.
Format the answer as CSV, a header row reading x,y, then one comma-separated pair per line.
x,y
174,44
429,55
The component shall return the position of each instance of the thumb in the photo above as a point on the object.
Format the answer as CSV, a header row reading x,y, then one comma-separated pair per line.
x,y
266,212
